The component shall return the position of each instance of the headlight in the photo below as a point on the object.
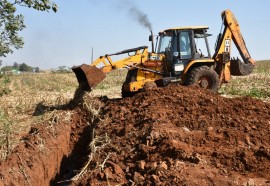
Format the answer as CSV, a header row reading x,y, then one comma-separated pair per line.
x,y
178,67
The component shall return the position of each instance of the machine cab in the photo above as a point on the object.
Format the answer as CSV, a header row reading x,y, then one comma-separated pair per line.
x,y
182,45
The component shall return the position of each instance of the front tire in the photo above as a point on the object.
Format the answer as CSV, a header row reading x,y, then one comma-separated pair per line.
x,y
204,77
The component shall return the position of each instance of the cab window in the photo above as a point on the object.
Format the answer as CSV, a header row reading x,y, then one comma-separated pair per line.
x,y
165,43
185,45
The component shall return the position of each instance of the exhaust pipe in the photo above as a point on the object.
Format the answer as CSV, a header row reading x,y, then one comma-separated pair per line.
x,y
152,40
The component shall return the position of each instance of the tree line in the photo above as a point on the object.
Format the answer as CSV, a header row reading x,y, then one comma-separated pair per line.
x,y
20,67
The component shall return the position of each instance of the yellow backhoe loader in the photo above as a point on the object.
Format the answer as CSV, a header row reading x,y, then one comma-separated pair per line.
x,y
180,55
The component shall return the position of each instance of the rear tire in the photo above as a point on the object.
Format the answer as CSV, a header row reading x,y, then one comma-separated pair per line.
x,y
203,77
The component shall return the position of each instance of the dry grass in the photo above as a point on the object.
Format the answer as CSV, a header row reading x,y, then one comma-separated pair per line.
x,y
24,95
111,86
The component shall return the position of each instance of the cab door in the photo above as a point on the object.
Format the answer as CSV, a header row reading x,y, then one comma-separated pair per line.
x,y
182,52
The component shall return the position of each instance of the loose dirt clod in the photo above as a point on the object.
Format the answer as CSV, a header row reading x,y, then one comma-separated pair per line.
x,y
173,136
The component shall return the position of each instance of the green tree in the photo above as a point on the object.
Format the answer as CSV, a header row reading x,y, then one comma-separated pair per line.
x,y
64,69
25,68
16,66
11,24
6,68
37,70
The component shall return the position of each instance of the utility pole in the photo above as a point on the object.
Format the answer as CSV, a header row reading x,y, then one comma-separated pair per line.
x,y
92,55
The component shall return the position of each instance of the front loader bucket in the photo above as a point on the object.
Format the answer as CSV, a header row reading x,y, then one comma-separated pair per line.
x,y
239,68
88,76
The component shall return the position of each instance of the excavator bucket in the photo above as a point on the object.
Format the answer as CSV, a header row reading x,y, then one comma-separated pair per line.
x,y
88,76
239,68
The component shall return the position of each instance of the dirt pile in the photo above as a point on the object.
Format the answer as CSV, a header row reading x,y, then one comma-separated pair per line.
x,y
182,136
168,136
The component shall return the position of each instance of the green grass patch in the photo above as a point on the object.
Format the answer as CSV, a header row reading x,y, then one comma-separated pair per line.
x,y
262,67
255,85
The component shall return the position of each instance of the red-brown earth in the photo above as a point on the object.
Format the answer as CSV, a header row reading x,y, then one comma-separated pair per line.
x,y
166,136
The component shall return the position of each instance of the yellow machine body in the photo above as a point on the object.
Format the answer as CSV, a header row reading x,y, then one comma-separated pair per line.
x,y
176,59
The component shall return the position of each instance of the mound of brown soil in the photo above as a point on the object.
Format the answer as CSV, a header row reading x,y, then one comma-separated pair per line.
x,y
166,136
183,136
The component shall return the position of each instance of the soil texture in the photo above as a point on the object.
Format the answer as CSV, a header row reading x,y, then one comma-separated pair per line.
x,y
164,136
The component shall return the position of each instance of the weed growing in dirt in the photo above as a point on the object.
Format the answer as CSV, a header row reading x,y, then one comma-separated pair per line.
x,y
4,89
5,132
23,172
98,143
93,107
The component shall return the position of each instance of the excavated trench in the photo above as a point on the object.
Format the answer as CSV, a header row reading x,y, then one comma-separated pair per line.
x,y
172,136
79,150
42,155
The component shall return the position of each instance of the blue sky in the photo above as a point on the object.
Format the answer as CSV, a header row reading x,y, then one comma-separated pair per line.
x,y
66,38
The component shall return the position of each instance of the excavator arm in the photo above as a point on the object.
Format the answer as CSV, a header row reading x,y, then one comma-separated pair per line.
x,y
139,55
89,76
227,66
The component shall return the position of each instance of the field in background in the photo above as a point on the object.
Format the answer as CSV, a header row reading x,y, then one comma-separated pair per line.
x,y
23,98
256,85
